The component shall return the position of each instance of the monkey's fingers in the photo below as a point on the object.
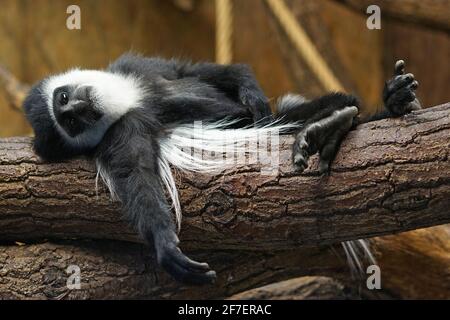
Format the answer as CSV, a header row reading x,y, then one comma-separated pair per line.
x,y
300,152
399,92
186,270
399,68
190,278
398,82
186,262
398,100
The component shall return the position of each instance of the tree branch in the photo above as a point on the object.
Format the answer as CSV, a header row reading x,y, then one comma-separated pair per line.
x,y
302,288
390,176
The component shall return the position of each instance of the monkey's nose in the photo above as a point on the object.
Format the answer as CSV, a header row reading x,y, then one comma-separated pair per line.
x,y
73,107
83,93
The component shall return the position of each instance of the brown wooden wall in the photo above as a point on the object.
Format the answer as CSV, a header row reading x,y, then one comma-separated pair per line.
x,y
35,42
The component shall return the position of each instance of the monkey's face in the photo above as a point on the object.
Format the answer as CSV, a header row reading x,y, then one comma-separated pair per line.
x,y
82,104
75,110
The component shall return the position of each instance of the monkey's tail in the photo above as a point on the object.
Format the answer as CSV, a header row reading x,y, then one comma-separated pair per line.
x,y
358,254
212,147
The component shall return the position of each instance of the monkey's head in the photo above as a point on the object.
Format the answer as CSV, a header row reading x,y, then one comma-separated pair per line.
x,y
71,112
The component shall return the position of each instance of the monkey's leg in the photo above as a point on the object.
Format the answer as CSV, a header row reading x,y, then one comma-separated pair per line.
x,y
237,81
324,136
294,107
188,109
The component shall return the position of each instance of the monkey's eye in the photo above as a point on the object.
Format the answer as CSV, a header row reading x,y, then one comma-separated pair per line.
x,y
63,98
71,122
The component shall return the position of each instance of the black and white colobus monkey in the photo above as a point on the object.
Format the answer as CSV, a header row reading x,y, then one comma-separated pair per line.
x,y
133,119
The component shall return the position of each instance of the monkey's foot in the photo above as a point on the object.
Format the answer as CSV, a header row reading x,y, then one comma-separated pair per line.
x,y
323,136
399,92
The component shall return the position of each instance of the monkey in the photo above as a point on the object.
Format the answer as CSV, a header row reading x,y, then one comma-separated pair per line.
x,y
133,118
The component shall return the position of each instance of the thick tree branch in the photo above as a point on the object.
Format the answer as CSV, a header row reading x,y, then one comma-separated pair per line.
x,y
390,176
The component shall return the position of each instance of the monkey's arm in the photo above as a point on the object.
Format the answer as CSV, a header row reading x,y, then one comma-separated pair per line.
x,y
237,81
128,162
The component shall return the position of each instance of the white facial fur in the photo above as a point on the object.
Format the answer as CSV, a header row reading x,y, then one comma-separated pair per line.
x,y
114,95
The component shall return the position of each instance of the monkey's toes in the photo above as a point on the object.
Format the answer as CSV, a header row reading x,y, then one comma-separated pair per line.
x,y
399,67
300,153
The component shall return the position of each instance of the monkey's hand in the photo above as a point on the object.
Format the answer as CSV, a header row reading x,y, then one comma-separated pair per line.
x,y
399,92
179,265
256,101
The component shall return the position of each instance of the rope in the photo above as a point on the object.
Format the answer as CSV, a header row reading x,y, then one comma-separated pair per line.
x,y
224,31
15,90
304,45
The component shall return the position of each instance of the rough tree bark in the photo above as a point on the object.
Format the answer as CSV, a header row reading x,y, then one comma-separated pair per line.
x,y
390,176
302,288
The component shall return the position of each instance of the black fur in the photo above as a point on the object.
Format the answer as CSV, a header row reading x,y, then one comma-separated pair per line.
x,y
185,92
129,152
319,108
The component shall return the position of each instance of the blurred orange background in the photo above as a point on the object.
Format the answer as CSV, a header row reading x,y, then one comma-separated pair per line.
x,y
34,42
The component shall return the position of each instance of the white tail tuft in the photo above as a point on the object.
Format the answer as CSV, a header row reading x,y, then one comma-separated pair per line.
x,y
357,252
210,148
289,102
